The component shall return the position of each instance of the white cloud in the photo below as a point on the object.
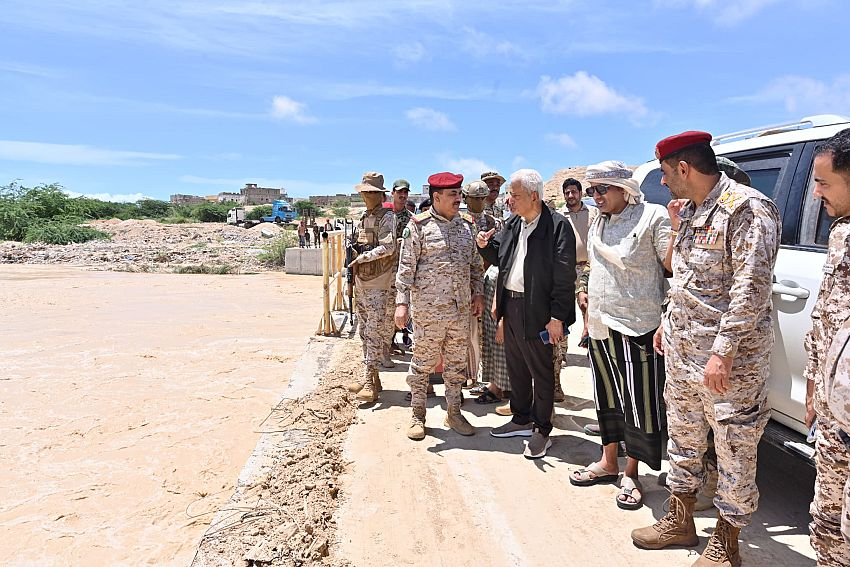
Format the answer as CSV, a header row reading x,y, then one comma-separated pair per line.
x,y
430,119
584,94
407,53
74,154
285,108
563,139
111,197
804,95
481,45
470,168
518,162
723,12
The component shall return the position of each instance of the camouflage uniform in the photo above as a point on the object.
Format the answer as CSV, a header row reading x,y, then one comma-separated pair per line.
x,y
831,311
720,303
375,236
838,393
494,210
439,272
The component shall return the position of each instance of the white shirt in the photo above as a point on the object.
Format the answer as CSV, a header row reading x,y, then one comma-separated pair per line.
x,y
516,279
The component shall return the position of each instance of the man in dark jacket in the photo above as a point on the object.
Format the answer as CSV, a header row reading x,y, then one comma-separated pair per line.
x,y
535,292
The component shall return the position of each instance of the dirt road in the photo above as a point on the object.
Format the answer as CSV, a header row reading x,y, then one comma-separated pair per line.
x,y
127,398
470,501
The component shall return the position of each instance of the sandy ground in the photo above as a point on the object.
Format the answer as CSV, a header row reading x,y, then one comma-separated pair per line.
x,y
470,501
126,398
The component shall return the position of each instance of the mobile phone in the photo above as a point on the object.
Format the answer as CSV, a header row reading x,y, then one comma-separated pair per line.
x,y
544,336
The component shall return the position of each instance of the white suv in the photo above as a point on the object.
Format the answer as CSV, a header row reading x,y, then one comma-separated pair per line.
x,y
779,160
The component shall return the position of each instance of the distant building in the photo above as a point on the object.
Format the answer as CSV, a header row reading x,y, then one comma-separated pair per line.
x,y
254,195
329,200
186,199
238,198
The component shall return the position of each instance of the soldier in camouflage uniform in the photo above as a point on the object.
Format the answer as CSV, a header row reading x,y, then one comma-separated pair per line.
x,y
828,399
494,183
375,243
716,336
440,277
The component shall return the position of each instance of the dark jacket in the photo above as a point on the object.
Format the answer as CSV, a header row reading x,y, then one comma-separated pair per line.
x,y
549,269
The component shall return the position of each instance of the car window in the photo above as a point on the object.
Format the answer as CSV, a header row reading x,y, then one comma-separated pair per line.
x,y
653,190
816,221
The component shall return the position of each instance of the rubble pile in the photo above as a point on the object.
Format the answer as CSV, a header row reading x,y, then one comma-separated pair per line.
x,y
150,246
285,518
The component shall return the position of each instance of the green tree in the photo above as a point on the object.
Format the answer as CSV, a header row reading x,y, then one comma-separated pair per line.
x,y
259,211
152,208
340,210
307,209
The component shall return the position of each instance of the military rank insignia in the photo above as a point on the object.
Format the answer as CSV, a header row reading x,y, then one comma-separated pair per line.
x,y
729,200
406,232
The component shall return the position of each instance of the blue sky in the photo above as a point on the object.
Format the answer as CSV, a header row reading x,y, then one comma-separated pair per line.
x,y
123,100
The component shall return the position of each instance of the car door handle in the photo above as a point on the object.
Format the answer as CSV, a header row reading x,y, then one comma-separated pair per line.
x,y
782,288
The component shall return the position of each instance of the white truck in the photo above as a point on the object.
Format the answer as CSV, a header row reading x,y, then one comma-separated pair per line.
x,y
236,217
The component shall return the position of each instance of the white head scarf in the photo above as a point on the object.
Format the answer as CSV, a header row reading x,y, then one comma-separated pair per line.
x,y
615,173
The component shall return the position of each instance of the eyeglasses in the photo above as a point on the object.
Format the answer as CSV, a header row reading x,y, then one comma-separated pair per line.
x,y
601,189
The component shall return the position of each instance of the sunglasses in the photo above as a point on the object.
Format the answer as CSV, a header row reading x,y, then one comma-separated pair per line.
x,y
601,189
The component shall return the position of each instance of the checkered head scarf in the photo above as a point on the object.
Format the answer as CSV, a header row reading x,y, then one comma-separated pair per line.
x,y
615,173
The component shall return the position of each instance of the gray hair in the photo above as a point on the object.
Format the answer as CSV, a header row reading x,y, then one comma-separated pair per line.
x,y
530,180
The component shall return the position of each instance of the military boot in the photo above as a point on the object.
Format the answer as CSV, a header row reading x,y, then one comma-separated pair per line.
x,y
369,393
416,431
676,528
357,385
456,421
722,548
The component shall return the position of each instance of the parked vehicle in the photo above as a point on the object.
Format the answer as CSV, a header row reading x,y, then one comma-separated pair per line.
x,y
236,217
282,211
779,161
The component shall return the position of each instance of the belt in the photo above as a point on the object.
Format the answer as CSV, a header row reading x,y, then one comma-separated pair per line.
x,y
514,294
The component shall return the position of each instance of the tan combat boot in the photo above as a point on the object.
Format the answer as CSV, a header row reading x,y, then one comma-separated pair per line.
x,y
722,548
357,385
559,392
456,421
676,528
369,393
416,431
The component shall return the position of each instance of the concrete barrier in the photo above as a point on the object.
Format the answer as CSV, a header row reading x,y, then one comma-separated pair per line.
x,y
304,261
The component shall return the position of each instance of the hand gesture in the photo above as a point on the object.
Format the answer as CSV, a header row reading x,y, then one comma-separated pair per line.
x,y
482,238
674,207
717,372
401,316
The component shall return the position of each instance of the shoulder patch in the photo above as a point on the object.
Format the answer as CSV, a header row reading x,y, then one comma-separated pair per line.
x,y
467,217
731,200
420,217
406,232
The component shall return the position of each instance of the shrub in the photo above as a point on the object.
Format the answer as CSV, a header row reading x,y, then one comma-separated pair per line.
x,y
61,232
259,211
275,252
340,211
211,212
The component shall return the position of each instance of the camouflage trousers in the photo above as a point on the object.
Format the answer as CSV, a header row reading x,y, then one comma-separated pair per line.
x,y
559,358
737,418
831,504
371,305
448,336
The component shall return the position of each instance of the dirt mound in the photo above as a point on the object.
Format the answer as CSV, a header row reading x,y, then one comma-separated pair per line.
x,y
150,246
286,518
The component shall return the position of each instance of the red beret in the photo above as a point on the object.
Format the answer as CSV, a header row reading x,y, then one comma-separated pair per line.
x,y
445,180
675,143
